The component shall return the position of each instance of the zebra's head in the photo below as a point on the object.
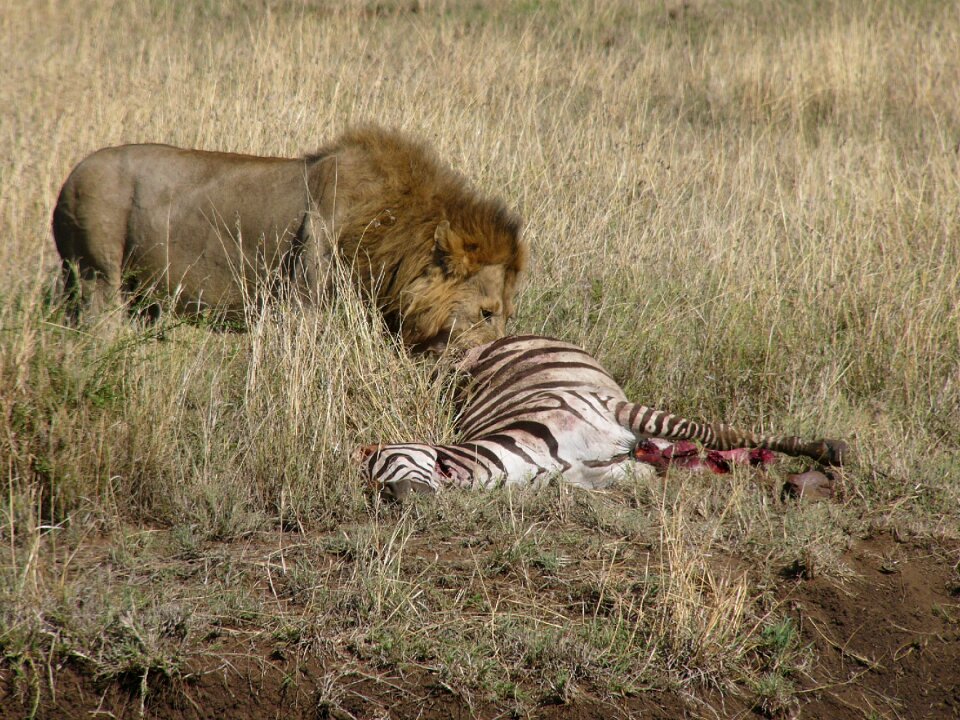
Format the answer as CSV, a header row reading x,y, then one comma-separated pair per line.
x,y
395,471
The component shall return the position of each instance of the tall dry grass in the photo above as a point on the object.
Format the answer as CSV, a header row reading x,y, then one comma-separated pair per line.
x,y
747,210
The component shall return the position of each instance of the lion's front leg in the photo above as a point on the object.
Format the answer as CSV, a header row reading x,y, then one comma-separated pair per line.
x,y
310,261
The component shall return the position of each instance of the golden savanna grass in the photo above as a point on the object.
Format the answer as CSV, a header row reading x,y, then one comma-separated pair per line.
x,y
749,211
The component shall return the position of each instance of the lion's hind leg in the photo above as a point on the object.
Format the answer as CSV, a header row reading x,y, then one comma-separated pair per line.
x,y
90,231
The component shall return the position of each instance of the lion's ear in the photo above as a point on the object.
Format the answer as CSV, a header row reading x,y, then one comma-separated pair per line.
x,y
447,241
449,245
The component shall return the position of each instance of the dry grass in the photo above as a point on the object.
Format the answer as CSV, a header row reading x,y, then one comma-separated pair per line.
x,y
748,210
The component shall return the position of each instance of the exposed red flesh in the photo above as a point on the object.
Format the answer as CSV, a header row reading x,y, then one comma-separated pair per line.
x,y
685,454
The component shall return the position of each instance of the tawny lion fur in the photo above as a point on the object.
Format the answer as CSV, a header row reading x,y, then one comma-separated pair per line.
x,y
212,229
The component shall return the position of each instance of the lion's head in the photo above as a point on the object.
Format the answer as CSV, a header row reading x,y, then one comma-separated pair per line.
x,y
441,261
465,297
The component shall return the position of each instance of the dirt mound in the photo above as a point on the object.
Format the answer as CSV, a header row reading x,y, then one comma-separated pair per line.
x,y
886,644
249,688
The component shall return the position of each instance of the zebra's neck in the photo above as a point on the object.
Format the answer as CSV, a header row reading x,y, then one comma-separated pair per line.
x,y
485,463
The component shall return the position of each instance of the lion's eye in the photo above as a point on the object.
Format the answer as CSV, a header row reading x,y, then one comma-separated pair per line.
x,y
487,315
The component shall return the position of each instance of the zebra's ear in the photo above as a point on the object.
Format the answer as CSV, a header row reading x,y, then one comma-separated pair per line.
x,y
363,453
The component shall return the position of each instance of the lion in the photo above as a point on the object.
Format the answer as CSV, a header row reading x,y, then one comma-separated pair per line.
x,y
210,229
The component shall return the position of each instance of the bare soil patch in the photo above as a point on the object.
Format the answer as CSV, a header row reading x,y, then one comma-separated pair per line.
x,y
887,643
884,644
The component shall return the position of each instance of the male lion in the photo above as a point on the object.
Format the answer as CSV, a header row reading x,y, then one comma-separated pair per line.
x,y
208,228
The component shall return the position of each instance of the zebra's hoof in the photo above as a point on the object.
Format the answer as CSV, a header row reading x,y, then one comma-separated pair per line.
x,y
837,452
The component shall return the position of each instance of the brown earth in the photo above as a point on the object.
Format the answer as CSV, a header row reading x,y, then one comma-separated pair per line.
x,y
886,645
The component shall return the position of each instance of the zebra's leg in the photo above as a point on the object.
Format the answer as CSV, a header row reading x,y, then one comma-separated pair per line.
x,y
648,422
394,471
